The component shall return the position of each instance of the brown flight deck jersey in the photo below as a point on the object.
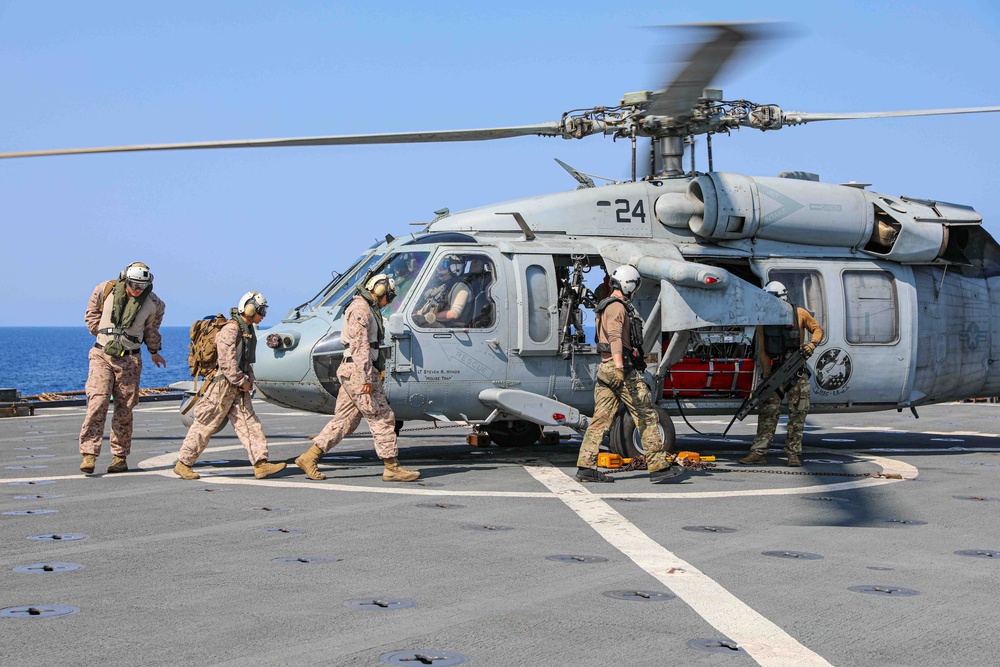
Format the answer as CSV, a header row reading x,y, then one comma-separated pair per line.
x,y
613,329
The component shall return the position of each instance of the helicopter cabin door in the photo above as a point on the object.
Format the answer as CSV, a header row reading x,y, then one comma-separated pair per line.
x,y
456,344
864,359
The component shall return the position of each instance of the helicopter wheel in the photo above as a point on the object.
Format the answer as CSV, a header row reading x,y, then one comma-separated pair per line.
x,y
188,418
517,433
628,442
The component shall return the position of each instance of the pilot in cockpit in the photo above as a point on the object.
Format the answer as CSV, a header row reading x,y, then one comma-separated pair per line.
x,y
445,300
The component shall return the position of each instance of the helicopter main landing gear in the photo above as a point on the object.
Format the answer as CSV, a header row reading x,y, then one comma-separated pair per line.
x,y
624,440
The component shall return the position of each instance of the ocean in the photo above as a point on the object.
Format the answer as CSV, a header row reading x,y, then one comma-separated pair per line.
x,y
42,359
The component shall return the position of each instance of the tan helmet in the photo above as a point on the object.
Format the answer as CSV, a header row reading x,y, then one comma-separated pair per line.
x,y
382,285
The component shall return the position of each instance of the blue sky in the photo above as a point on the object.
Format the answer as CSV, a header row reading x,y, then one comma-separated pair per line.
x,y
213,224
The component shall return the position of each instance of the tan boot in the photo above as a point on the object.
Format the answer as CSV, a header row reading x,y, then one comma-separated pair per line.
x,y
263,469
185,472
89,461
754,458
118,464
397,473
308,462
794,461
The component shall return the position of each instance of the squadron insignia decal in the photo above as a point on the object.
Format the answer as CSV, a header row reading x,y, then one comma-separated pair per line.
x,y
833,371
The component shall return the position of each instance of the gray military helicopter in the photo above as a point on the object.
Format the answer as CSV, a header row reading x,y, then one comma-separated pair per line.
x,y
487,327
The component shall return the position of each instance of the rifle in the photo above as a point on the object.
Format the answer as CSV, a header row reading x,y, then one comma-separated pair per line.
x,y
573,293
779,380
435,299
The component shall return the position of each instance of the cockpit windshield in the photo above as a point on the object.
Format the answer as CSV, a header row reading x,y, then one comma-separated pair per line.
x,y
345,285
403,268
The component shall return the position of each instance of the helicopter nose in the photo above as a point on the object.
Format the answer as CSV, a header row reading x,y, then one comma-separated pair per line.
x,y
285,373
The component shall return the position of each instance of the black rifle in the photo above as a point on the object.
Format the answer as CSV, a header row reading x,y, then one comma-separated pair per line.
x,y
573,293
779,380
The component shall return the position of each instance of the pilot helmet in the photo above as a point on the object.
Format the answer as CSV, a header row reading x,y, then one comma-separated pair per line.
x,y
453,263
625,278
774,288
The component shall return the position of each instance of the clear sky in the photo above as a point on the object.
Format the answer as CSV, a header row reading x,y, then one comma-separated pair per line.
x,y
214,224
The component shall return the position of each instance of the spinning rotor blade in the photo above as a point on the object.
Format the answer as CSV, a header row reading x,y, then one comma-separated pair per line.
x,y
704,64
799,117
541,129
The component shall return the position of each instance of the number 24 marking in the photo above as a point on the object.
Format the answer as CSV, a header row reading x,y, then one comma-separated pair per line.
x,y
626,212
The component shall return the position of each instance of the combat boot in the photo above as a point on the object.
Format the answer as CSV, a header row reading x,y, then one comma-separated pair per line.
x,y
593,475
263,469
308,462
118,464
89,461
184,471
397,473
794,461
754,458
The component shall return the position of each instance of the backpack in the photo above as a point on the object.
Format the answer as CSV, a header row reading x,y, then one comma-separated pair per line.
x,y
203,358
634,357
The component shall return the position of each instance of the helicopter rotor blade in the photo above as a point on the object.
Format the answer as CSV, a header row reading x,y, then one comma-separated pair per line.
x,y
540,129
704,63
800,118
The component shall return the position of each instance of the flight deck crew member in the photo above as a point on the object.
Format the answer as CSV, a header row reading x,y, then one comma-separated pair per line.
x,y
446,297
797,394
228,393
361,393
123,314
619,382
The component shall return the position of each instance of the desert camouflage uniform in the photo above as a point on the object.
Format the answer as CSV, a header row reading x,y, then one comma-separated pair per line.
x,y
613,329
116,377
225,398
360,330
797,395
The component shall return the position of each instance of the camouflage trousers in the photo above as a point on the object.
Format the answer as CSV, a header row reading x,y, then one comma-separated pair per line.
x,y
767,419
223,399
352,405
608,395
108,377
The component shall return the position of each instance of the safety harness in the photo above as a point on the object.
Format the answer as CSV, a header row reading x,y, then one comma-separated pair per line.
x,y
379,362
123,311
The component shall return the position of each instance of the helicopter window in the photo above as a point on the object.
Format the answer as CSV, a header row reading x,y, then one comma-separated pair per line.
x,y
457,294
872,311
441,237
539,317
346,284
403,269
805,289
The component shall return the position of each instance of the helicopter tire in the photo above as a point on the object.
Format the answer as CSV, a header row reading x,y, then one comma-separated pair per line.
x,y
516,433
629,440
188,418
616,437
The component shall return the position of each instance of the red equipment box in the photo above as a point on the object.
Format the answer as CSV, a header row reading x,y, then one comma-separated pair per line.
x,y
709,377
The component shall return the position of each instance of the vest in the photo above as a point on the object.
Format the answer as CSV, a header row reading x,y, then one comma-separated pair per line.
x,y
246,344
129,336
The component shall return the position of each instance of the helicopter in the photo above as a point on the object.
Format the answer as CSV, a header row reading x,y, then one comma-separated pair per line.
x,y
903,287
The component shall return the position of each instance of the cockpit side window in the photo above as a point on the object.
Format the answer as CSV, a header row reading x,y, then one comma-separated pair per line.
x,y
458,294
805,290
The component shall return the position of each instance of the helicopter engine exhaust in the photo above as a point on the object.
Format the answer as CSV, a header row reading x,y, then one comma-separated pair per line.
x,y
732,207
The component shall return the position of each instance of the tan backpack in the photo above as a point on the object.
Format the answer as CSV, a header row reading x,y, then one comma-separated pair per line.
x,y
203,358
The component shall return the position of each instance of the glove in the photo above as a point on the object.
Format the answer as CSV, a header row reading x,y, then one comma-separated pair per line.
x,y
808,349
619,376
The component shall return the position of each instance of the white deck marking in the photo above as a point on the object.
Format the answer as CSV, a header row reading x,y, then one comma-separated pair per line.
x,y
764,641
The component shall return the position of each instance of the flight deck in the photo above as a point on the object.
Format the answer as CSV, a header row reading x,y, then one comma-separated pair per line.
x,y
497,556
